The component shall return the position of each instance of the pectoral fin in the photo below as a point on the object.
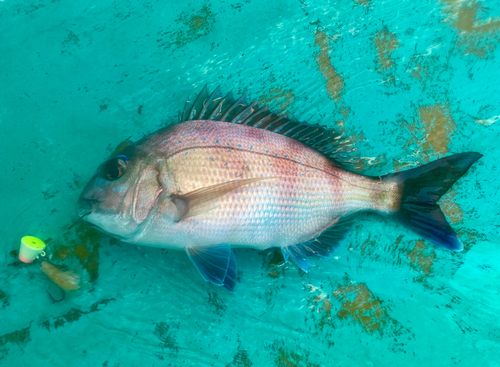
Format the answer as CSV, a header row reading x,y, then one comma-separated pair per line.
x,y
216,264
202,200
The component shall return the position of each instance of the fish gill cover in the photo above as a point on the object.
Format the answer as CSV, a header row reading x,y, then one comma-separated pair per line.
x,y
406,82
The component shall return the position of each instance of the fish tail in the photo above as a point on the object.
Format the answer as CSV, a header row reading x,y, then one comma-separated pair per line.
x,y
419,190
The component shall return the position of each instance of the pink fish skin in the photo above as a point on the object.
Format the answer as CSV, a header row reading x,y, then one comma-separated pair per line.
x,y
206,185
304,193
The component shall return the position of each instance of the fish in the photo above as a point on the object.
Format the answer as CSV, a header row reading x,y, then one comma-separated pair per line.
x,y
232,174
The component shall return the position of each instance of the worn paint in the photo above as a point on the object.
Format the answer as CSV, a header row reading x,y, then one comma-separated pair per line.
x,y
320,307
451,208
277,95
421,259
291,358
385,43
360,305
85,248
438,123
192,27
475,36
334,81
195,26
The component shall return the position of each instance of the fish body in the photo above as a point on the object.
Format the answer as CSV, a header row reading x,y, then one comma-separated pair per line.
x,y
297,195
232,175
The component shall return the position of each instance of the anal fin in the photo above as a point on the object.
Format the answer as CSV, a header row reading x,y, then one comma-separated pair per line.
x,y
322,246
216,264
329,241
298,255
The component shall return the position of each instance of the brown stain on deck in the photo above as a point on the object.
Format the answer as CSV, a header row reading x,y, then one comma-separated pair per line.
x,y
360,305
290,358
438,124
334,81
84,247
277,95
475,36
451,208
195,26
421,259
385,43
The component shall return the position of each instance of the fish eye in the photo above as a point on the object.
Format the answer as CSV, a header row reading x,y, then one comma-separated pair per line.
x,y
114,168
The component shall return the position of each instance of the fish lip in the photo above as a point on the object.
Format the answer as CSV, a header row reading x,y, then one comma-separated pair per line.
x,y
87,205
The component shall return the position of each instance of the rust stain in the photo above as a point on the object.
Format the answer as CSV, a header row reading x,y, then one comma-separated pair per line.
x,y
196,26
334,81
287,358
192,27
475,36
61,252
327,306
276,95
363,2
367,245
450,208
85,248
344,111
385,43
421,258
321,311
438,123
359,304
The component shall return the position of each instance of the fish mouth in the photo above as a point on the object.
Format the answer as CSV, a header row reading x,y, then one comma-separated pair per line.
x,y
86,205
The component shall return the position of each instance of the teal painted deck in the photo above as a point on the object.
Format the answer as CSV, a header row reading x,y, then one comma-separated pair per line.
x,y
407,81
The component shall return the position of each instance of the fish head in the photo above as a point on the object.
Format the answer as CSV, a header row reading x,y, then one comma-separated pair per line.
x,y
122,193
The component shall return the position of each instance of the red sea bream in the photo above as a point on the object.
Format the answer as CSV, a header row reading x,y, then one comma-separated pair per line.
x,y
231,174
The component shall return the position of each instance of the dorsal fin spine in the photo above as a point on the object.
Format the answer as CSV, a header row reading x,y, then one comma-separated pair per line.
x,y
235,105
212,99
199,101
212,106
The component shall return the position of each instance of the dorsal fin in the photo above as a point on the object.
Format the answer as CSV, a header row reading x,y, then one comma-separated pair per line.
x,y
212,106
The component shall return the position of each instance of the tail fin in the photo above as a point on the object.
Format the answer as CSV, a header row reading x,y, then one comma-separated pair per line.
x,y
421,188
